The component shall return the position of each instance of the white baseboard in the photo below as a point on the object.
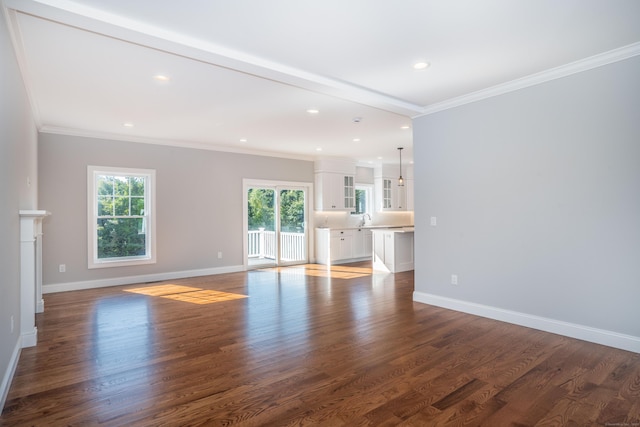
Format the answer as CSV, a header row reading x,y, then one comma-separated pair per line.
x,y
29,339
143,278
7,378
586,333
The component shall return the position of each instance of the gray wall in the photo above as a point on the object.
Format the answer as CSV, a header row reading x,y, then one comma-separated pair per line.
x,y
17,164
198,202
537,199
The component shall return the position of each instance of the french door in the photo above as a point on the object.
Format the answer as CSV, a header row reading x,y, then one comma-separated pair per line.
x,y
276,224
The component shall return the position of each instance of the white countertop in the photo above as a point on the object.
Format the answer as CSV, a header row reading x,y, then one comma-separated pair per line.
x,y
398,228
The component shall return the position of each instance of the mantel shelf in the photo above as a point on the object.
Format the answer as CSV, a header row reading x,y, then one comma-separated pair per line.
x,y
33,213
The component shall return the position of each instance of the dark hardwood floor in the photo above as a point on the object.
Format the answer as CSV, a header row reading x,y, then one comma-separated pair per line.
x,y
305,346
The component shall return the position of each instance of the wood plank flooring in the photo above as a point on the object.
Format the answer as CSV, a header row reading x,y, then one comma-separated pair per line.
x,y
305,346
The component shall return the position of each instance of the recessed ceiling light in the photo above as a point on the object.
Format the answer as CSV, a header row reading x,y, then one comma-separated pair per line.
x,y
356,139
313,111
243,139
379,157
420,65
405,127
127,125
161,78
319,149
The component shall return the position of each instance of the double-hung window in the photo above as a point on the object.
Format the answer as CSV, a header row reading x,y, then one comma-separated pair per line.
x,y
121,220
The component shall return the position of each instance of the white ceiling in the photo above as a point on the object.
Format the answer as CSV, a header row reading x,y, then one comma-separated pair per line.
x,y
249,69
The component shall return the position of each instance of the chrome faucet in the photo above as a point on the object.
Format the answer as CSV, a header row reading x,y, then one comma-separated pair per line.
x,y
364,219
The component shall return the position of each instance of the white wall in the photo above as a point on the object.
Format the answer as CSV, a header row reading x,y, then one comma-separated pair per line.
x,y
17,164
198,205
537,199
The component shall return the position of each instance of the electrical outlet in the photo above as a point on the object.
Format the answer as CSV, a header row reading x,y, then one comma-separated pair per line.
x,y
454,279
433,221
220,255
62,268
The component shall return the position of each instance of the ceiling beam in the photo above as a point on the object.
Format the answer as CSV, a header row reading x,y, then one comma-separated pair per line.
x,y
122,28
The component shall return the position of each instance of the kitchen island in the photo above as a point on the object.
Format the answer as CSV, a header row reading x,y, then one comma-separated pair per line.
x,y
393,249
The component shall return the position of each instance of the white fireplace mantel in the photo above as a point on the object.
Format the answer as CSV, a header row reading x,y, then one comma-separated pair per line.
x,y
31,301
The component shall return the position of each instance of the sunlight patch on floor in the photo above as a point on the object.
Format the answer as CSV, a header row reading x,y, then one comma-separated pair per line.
x,y
186,294
316,270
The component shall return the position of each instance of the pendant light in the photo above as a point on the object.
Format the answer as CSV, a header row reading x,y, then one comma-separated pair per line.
x,y
400,180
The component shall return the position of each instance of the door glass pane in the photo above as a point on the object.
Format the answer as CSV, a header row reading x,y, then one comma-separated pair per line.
x,y
293,245
261,225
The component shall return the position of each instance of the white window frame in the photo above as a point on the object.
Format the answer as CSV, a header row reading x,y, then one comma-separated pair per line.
x,y
368,188
92,217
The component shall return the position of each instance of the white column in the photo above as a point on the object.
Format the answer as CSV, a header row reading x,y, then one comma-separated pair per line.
x,y
30,274
38,266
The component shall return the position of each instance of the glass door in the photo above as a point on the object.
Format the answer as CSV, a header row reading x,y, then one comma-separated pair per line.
x,y
261,227
293,226
276,224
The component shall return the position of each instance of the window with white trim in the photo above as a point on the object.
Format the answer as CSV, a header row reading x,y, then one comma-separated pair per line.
x,y
121,219
363,200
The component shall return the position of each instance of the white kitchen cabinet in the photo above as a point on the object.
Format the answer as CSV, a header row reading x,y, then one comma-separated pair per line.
x,y
362,243
393,250
390,196
335,186
342,245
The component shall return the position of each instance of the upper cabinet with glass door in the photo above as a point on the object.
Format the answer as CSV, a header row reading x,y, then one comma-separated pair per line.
x,y
334,185
389,195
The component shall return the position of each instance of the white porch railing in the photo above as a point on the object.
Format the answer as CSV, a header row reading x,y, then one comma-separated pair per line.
x,y
262,244
292,246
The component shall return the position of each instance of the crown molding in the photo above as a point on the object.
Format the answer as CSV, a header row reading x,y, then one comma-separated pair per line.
x,y
171,143
87,18
579,66
16,40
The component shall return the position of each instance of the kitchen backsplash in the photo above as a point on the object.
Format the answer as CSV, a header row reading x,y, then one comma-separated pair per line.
x,y
346,220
